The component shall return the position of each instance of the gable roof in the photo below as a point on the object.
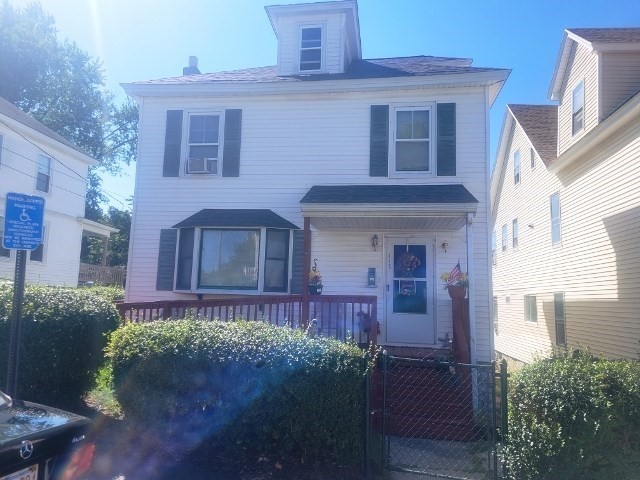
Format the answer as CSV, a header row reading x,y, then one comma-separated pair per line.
x,y
8,109
595,39
540,125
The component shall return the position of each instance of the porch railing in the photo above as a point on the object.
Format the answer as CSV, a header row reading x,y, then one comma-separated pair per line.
x,y
101,275
344,317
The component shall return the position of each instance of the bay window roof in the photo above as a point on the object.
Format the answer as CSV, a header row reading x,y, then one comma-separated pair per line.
x,y
212,217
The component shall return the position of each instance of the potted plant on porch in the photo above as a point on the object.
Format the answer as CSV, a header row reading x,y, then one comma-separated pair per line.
x,y
456,282
315,279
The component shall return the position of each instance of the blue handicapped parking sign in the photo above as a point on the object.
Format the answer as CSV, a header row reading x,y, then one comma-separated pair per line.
x,y
23,221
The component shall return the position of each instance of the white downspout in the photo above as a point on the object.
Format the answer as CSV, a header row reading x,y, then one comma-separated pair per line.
x,y
472,290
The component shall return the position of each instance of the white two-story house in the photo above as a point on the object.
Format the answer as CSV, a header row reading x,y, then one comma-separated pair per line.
x,y
566,206
378,169
34,160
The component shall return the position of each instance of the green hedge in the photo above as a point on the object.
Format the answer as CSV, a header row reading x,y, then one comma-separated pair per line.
x,y
62,341
245,388
575,417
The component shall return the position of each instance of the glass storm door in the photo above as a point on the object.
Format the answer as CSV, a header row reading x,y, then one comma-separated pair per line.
x,y
409,291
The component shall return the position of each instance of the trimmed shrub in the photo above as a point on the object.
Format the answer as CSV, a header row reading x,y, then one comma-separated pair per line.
x,y
110,293
575,417
242,388
63,336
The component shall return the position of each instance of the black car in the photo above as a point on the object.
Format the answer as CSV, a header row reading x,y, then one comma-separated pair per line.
x,y
42,443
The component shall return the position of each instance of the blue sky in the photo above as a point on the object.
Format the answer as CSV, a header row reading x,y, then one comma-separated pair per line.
x,y
145,39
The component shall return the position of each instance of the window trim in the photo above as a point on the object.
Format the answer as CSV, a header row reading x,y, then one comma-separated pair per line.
x,y
516,167
514,233
323,29
530,306
394,108
557,219
563,322
49,181
219,112
580,111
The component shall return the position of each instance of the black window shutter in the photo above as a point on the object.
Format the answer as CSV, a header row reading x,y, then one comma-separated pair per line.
x,y
446,135
166,259
172,144
185,259
379,141
232,137
297,270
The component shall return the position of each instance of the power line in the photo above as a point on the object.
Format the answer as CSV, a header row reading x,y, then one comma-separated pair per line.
x,y
36,178
82,179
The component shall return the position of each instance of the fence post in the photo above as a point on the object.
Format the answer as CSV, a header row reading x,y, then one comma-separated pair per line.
x,y
367,418
503,414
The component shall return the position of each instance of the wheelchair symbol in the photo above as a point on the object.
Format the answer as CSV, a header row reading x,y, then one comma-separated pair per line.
x,y
24,216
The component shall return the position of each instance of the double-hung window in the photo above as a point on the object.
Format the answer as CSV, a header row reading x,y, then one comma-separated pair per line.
x,y
516,167
530,309
504,238
558,307
4,252
203,144
43,177
577,108
514,232
311,48
556,231
413,135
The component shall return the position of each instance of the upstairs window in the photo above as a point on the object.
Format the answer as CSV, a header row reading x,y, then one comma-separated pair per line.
x,y
412,142
43,178
514,233
577,108
203,144
504,238
556,231
310,49
516,167
530,309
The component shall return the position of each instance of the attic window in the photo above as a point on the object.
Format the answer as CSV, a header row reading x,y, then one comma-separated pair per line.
x,y
310,49
577,108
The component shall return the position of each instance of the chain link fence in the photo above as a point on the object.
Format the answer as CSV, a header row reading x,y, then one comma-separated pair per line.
x,y
437,419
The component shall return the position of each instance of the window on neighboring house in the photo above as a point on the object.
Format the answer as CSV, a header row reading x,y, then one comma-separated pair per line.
x,y
504,237
494,256
310,49
556,233
37,254
514,232
4,252
532,153
495,315
558,307
43,178
203,144
412,143
577,108
1,147
530,308
516,167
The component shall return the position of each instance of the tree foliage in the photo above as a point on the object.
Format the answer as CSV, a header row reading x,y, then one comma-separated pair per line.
x,y
62,86
92,248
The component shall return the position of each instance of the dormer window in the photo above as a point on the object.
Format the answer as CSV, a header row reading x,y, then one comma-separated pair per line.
x,y
577,108
311,49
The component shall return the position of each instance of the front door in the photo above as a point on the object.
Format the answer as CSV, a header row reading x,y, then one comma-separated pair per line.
x,y
409,291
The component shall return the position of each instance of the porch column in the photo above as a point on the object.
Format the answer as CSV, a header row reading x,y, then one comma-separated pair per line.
x,y
306,265
472,292
105,249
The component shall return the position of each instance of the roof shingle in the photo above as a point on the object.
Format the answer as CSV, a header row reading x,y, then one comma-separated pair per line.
x,y
608,35
540,124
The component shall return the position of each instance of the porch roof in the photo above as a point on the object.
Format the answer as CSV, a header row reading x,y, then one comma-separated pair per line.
x,y
394,207
234,217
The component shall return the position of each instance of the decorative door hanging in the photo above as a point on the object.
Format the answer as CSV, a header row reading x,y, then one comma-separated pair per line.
x,y
406,265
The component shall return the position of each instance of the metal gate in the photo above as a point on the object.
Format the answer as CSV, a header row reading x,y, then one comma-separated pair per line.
x,y
438,419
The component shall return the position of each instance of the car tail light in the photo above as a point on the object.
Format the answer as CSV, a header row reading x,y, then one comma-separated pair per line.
x,y
79,463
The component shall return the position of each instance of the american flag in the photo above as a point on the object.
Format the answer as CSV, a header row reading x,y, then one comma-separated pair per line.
x,y
456,273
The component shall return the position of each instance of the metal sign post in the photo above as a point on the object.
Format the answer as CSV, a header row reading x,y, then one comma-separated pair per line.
x,y
23,225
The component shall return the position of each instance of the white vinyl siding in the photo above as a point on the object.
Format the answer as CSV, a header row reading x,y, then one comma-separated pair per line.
x,y
285,151
620,79
583,66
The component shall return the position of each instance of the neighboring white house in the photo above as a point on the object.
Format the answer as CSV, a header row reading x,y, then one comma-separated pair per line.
x,y
565,198
385,160
34,160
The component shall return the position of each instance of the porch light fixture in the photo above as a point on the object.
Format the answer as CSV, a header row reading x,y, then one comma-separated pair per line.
x,y
374,242
444,246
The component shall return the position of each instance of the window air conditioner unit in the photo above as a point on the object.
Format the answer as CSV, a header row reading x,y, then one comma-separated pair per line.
x,y
203,166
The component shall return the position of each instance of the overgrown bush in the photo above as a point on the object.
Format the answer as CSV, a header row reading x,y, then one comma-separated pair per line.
x,y
575,417
111,293
245,388
63,336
